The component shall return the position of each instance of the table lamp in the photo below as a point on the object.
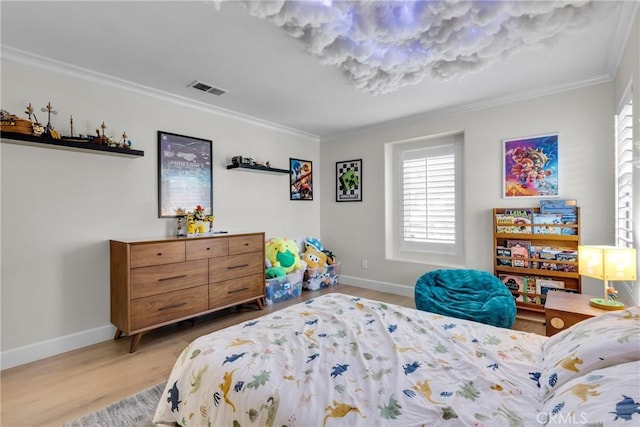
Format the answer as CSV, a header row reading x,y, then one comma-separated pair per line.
x,y
607,263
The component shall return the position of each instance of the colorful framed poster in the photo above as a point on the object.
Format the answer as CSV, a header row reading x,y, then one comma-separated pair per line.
x,y
349,181
184,175
530,166
301,179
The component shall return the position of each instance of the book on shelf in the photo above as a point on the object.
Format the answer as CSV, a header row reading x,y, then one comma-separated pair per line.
x,y
551,223
544,291
553,253
514,222
569,219
547,283
503,251
530,290
559,206
519,244
519,252
503,262
516,285
554,266
569,255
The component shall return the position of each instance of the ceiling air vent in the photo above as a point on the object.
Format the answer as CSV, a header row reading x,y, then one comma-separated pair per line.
x,y
207,88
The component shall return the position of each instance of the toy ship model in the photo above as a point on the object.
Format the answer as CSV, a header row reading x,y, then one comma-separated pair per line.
x,y
10,123
72,137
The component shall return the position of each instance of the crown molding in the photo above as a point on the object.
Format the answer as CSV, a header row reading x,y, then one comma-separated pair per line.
x,y
626,14
52,65
480,105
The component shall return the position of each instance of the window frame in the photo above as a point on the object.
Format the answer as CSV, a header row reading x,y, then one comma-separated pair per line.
x,y
396,248
623,151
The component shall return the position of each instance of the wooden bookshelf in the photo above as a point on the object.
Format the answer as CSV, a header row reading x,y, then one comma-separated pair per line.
x,y
538,263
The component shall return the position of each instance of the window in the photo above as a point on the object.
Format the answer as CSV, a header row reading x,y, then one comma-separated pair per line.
x,y
624,173
424,199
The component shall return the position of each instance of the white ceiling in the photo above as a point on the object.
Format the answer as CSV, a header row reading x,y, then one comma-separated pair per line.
x,y
163,46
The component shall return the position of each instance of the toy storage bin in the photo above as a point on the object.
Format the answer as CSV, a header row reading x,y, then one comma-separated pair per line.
x,y
284,288
316,278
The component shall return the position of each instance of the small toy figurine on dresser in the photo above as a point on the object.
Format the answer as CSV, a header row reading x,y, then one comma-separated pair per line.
x,y
197,222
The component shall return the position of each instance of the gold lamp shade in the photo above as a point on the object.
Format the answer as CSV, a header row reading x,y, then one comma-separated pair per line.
x,y
607,263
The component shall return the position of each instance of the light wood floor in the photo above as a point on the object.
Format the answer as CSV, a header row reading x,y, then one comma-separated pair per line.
x,y
58,389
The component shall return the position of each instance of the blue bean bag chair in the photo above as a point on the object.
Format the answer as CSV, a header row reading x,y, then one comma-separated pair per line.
x,y
466,294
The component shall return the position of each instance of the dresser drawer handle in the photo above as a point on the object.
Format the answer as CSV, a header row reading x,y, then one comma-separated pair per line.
x,y
169,307
172,278
159,254
237,266
237,290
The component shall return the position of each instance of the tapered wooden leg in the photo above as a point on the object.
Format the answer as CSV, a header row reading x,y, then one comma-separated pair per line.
x,y
118,334
135,340
259,303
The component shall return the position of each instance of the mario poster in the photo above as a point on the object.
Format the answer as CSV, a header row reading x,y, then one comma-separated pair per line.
x,y
531,166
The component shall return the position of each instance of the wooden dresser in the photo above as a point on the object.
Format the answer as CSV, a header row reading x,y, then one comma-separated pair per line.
x,y
163,281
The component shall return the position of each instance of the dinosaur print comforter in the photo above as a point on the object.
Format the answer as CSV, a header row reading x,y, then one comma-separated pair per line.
x,y
339,360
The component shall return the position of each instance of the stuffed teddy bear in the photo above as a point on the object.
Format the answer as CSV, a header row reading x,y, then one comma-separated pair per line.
x,y
283,253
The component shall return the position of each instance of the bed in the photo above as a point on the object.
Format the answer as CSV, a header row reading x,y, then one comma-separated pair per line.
x,y
340,360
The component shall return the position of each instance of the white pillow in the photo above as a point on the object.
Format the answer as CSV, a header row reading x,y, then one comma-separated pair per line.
x,y
595,343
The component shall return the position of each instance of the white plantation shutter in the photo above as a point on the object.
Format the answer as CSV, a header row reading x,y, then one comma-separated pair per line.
x,y
624,174
429,199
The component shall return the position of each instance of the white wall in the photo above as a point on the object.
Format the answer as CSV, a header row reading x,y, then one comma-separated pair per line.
x,y
60,208
583,118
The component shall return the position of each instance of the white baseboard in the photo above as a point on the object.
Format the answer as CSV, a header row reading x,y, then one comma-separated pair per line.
x,y
391,288
32,352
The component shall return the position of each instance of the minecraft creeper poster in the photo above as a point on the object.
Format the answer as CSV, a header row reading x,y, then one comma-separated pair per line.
x,y
349,181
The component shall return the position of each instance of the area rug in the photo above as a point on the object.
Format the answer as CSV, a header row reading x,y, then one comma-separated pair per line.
x,y
134,411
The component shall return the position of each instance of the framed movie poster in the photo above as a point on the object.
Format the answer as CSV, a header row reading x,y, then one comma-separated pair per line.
x,y
349,181
184,174
530,166
301,179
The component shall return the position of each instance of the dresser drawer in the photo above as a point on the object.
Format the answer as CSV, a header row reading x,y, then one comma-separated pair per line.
x,y
157,254
158,309
207,248
244,244
159,279
234,266
229,292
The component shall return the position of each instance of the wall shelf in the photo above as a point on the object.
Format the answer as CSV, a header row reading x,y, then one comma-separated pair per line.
x,y
63,144
257,168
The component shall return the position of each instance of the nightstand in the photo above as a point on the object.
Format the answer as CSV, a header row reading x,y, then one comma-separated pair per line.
x,y
565,309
